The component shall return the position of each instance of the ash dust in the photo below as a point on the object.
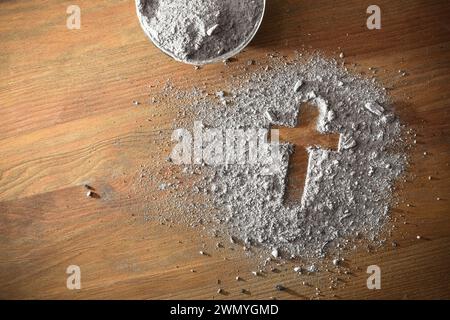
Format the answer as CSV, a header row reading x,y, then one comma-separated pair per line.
x,y
348,193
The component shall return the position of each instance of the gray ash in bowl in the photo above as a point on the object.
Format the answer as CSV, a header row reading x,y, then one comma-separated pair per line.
x,y
198,31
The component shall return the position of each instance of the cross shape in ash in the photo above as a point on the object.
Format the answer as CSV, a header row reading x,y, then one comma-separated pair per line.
x,y
304,135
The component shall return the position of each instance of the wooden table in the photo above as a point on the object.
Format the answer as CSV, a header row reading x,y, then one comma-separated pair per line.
x,y
67,119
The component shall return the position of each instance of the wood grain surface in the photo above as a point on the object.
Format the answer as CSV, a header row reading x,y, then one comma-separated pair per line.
x,y
67,119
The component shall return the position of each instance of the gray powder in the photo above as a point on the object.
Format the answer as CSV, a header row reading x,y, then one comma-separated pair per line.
x,y
347,192
199,30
